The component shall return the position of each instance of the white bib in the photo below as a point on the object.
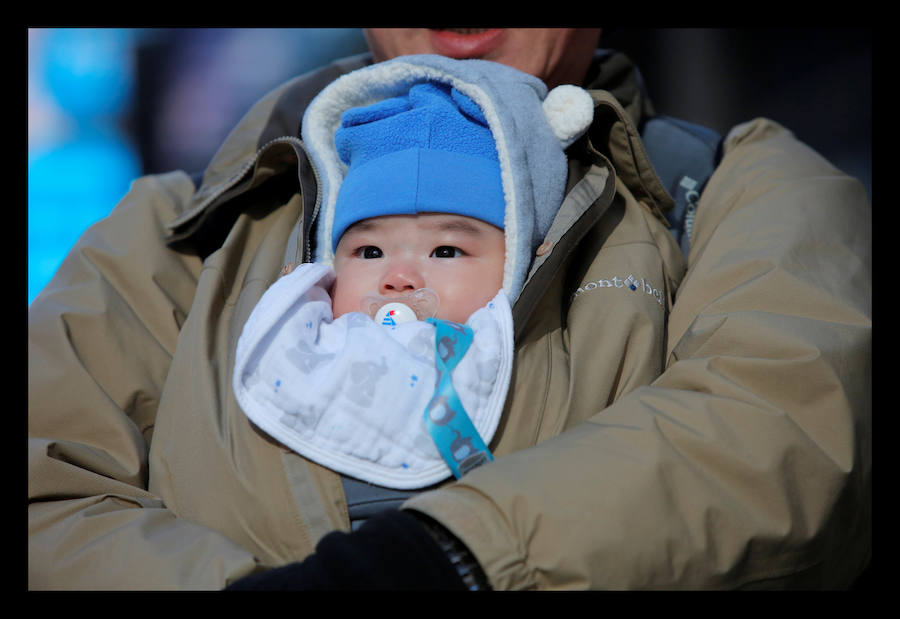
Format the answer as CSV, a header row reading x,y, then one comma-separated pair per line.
x,y
351,393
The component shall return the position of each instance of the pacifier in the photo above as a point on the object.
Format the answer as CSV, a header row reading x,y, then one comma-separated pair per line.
x,y
390,311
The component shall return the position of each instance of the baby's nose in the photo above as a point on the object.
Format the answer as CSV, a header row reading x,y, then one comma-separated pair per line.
x,y
401,279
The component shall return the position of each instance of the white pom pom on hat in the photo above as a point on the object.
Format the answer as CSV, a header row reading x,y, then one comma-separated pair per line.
x,y
569,110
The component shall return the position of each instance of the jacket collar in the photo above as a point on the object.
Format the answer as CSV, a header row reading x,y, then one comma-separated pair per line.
x,y
615,73
273,118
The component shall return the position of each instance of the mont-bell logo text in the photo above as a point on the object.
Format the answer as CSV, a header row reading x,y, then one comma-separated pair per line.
x,y
630,283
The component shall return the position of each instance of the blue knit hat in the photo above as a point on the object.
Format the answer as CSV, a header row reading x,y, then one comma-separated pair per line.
x,y
429,150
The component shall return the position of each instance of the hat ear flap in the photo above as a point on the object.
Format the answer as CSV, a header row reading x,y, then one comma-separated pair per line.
x,y
570,111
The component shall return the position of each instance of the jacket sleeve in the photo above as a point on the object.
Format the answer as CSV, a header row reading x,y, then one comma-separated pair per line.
x,y
100,340
747,463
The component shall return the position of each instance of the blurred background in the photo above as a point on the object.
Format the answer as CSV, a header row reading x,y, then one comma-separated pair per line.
x,y
108,105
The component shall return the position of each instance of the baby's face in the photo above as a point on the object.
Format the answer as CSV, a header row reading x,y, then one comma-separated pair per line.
x,y
460,258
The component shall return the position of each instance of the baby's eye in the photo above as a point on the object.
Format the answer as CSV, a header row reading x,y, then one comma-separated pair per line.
x,y
446,251
369,252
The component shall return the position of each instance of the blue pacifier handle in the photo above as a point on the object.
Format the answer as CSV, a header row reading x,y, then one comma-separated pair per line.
x,y
450,427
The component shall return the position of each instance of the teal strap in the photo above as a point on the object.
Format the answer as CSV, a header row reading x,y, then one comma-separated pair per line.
x,y
448,423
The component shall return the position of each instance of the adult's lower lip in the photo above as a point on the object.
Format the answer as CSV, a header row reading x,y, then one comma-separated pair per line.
x,y
474,43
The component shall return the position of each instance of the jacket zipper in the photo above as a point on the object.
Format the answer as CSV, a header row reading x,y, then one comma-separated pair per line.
x,y
312,221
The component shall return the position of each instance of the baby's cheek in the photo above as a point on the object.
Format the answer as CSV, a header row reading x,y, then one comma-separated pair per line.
x,y
341,301
461,306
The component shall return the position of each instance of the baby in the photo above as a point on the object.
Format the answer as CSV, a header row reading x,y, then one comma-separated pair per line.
x,y
429,208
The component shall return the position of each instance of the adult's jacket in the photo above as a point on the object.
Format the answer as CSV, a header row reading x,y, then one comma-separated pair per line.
x,y
698,422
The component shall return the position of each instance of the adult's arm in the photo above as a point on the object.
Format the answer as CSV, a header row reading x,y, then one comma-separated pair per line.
x,y
101,337
747,463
